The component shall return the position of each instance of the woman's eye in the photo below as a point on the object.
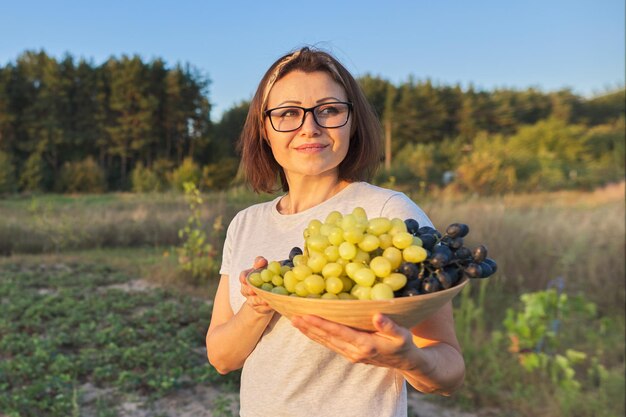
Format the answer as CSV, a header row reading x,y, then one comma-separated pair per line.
x,y
289,113
328,111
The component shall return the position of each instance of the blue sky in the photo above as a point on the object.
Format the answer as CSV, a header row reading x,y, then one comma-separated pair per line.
x,y
549,44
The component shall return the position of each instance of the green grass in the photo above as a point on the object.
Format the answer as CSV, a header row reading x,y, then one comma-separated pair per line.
x,y
66,322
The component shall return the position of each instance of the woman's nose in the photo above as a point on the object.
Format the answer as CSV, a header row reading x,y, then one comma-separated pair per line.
x,y
309,125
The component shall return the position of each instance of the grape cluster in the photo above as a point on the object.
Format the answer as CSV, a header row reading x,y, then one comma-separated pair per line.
x,y
352,257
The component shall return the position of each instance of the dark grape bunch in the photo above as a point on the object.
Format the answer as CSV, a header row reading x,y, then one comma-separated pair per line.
x,y
447,261
348,256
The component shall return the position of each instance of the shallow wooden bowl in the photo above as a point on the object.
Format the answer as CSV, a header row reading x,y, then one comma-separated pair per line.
x,y
405,311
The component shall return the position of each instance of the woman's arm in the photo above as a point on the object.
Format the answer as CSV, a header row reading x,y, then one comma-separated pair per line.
x,y
439,365
232,337
428,356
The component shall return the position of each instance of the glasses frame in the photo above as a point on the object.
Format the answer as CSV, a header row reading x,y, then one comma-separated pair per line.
x,y
312,111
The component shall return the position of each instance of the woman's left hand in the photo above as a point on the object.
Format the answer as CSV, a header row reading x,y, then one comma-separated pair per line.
x,y
391,346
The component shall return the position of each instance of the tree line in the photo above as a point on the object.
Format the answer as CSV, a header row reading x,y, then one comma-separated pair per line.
x,y
72,125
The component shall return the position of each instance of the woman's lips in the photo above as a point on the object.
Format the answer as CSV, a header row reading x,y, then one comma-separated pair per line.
x,y
311,147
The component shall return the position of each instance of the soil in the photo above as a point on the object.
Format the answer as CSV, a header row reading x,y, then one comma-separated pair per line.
x,y
203,401
208,401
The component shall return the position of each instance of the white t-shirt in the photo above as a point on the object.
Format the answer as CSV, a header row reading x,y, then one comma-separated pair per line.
x,y
288,374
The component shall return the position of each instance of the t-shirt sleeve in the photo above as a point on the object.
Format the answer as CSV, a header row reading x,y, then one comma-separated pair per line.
x,y
402,207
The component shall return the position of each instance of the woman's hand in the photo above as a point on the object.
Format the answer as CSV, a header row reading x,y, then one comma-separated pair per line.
x,y
391,346
253,300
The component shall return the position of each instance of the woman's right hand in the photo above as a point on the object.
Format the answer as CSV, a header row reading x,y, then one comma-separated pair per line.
x,y
253,300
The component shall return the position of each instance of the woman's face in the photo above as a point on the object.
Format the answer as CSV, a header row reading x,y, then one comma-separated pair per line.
x,y
310,150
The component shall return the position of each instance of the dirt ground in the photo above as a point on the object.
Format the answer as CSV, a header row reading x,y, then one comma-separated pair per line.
x,y
202,401
209,402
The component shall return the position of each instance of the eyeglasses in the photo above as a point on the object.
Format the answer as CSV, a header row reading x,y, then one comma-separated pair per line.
x,y
327,115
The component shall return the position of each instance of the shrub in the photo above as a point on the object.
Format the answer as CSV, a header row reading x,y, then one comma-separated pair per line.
x,y
486,170
219,176
145,179
31,178
188,171
7,174
83,177
196,256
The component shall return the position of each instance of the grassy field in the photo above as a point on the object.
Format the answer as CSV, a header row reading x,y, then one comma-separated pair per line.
x,y
68,257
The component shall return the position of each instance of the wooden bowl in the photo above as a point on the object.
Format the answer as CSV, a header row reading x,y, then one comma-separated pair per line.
x,y
405,311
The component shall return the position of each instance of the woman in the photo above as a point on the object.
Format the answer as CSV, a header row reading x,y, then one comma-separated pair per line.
x,y
311,130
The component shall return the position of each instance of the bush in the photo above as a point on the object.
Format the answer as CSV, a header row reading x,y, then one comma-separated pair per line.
x,y
7,174
145,180
486,170
189,171
81,177
32,175
220,176
549,155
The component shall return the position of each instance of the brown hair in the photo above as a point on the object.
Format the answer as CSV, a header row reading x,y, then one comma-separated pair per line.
x,y
258,165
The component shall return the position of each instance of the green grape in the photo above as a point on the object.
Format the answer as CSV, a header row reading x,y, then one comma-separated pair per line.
x,y
300,260
347,250
334,285
280,290
329,296
362,293
348,221
394,256
284,269
415,254
352,267
315,284
290,281
398,226
380,266
417,241
353,234
347,283
342,262
277,280
317,243
359,213
379,226
335,237
364,277
255,279
402,240
301,290
332,269
333,217
386,241
267,286
314,227
325,229
316,262
361,256
274,267
266,275
381,292
301,272
331,253
395,280
346,296
369,243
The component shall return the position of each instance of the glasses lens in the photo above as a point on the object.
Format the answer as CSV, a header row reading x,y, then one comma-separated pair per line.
x,y
332,114
285,119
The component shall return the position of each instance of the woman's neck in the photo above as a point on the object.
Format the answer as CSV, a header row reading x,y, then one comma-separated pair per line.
x,y
306,193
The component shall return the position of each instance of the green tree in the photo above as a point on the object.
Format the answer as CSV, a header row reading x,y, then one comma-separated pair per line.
x,y
32,175
7,174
